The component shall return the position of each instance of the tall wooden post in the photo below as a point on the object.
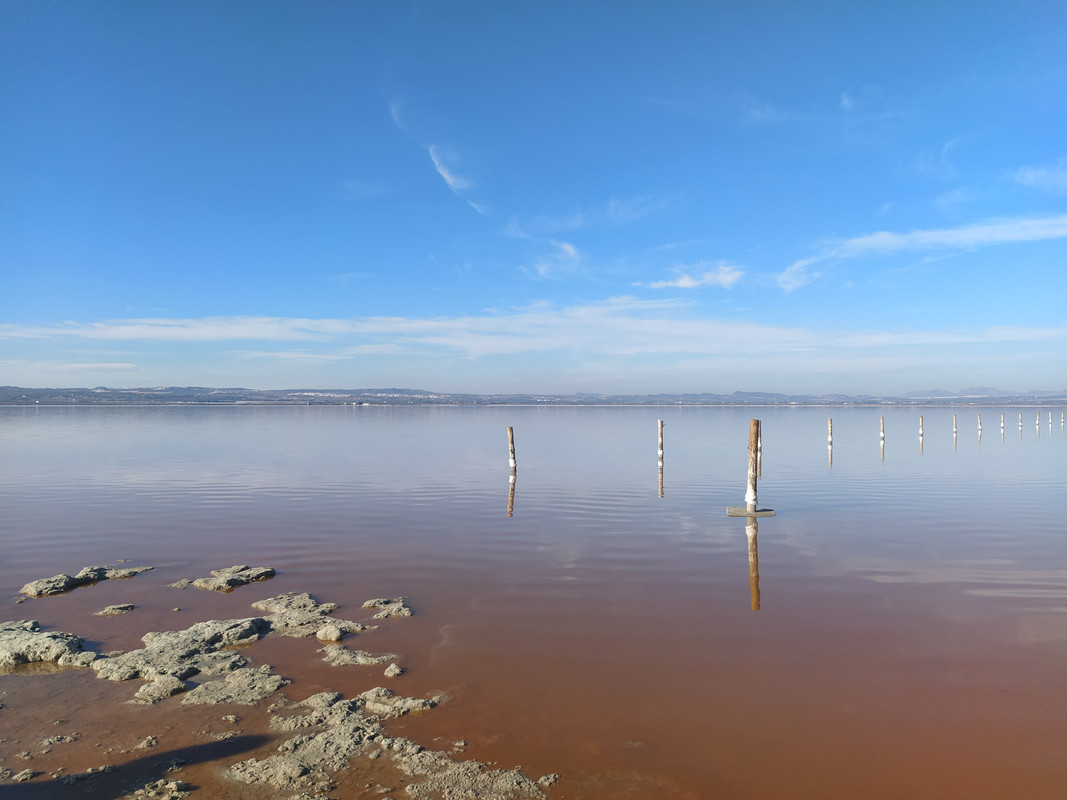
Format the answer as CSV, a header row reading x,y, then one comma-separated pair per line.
x,y
513,465
953,424
753,458
751,509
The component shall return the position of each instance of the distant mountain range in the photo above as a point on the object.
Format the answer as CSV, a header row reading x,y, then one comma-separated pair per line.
x,y
100,395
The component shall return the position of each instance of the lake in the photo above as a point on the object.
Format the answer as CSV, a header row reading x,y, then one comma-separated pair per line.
x,y
898,629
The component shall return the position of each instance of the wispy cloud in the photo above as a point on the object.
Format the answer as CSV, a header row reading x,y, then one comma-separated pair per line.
x,y
445,160
617,326
208,329
723,274
615,212
966,237
554,256
1046,177
441,158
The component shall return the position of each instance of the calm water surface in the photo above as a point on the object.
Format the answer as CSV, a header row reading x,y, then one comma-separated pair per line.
x,y
899,629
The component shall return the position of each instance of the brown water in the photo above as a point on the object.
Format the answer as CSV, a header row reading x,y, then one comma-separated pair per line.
x,y
910,636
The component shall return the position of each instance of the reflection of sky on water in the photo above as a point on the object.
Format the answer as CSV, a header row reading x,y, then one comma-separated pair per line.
x,y
984,515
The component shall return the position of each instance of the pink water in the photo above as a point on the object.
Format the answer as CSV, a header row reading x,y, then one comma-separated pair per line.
x,y
909,642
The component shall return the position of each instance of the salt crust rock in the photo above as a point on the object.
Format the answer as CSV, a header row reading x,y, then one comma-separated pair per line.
x,y
299,614
335,730
394,607
341,656
58,584
168,658
245,686
161,790
23,642
229,578
116,610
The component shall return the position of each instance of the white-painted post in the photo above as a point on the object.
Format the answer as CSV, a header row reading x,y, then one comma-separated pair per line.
x,y
979,424
920,426
661,443
953,424
830,431
511,450
1002,422
882,433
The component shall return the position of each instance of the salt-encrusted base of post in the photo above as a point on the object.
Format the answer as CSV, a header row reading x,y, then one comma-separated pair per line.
x,y
751,509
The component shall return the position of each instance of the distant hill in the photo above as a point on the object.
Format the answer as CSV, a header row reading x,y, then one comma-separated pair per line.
x,y
101,395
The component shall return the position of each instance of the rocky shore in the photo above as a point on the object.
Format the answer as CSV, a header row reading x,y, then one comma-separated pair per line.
x,y
213,663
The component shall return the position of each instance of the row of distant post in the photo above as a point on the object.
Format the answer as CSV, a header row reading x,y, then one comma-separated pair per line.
x,y
955,430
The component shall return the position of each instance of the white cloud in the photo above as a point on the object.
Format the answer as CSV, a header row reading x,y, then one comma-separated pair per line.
x,y
966,237
1046,177
455,182
617,326
724,275
796,275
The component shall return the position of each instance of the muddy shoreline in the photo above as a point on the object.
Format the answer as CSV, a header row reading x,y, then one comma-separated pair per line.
x,y
304,747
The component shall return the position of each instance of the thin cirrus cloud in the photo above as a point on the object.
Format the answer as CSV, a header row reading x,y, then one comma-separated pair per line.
x,y
724,275
441,159
618,327
966,237
1046,177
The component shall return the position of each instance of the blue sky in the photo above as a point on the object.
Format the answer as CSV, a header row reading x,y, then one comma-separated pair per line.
x,y
534,196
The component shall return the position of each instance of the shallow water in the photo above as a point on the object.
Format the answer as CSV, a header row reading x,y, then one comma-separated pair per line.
x,y
898,629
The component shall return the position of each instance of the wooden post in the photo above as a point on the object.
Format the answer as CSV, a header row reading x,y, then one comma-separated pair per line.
x,y
830,431
882,434
1002,422
753,458
660,444
953,424
512,463
920,426
979,424
751,508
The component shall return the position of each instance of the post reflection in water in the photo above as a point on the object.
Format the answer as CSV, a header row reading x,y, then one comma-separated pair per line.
x,y
661,479
511,493
751,530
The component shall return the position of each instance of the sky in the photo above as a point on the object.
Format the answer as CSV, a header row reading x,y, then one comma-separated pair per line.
x,y
521,197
